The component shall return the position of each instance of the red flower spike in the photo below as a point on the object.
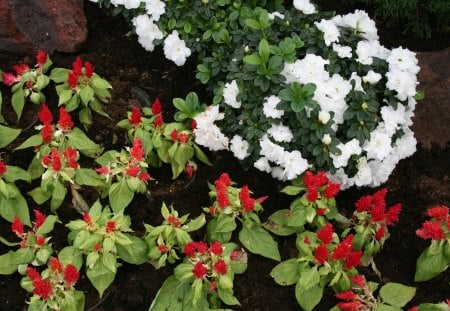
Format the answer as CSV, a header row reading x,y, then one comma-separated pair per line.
x,y
326,234
193,124
377,213
379,197
347,295
9,78
110,226
363,204
159,121
47,133
87,218
144,177
216,248
21,69
40,240
183,138
312,195
103,170
212,210
32,273
88,69
162,248
156,107
199,270
77,66
321,179
220,267
136,117
413,309
71,274
189,249
438,212
72,80
39,218
350,306
431,230
174,135
133,171
42,288
353,259
331,190
321,211
358,280
3,167
321,254
380,233
41,58
201,247
306,240
190,170
174,221
45,115
65,120
17,226
343,249
55,265
56,160
46,160
234,255
222,199
246,201
137,151
225,178
392,214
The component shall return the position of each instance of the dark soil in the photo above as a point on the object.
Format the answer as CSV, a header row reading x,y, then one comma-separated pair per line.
x,y
418,182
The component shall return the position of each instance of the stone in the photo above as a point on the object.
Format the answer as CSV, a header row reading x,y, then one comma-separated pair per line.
x,y
432,118
27,26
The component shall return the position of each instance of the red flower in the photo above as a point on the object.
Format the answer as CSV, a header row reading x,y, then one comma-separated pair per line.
x,y
47,133
144,177
3,167
326,233
220,267
438,212
55,265
347,295
321,211
363,204
88,69
87,218
321,254
174,135
358,280
133,171
41,58
71,155
222,199
392,214
135,118
156,107
42,288
56,160
103,170
234,255
65,120
46,160
45,115
77,66
174,221
71,274
213,286
216,248
331,190
377,213
32,273
201,247
137,151
199,270
183,138
343,249
97,247
306,240
193,124
158,121
247,202
225,178
190,170
110,226
9,78
20,69
312,195
72,79
17,226
40,240
189,249
350,306
353,259
162,248
379,197
380,233
413,309
431,230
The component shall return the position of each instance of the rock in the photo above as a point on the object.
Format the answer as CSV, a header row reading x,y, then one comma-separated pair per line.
x,y
27,26
432,118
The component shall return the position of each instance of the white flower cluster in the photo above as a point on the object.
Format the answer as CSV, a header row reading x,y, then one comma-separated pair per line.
x,y
175,49
305,6
207,133
147,31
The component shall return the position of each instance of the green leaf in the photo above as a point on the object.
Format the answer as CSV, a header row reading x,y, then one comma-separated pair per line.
x,y
100,83
14,173
48,225
264,50
85,116
100,277
253,59
39,196
78,140
259,241
88,177
17,102
201,155
385,307
32,141
107,158
134,253
86,94
58,195
12,259
225,223
308,299
430,265
170,296
308,278
292,190
7,134
277,223
73,301
65,95
195,224
226,295
120,196
286,272
397,294
59,75
12,206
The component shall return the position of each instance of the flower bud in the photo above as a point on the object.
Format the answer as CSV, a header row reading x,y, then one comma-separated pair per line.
x,y
326,139
324,117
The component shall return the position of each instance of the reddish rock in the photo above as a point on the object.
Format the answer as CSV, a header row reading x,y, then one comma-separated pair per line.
x,y
31,25
432,118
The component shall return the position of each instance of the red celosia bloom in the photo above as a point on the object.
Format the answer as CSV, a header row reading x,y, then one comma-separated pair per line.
x,y
56,160
174,135
46,160
350,306
353,259
193,124
17,226
220,267
9,78
343,249
225,178
222,199
379,197
377,213
262,199
41,58
347,295
20,69
71,157
392,214
71,274
431,230
312,195
331,190
55,265
32,273
213,286
314,181
103,170
40,240
321,254
65,120
2,167
199,270
413,309
234,255
87,218
246,201
88,69
189,249
72,80
363,204
29,85
201,247
77,66
438,212
189,171
212,210
174,221
358,280
97,247
162,248
47,133
133,171
135,118
137,151
45,115
156,107
326,233
216,248
144,176
321,211
380,233
110,226
42,288
306,240
183,138
159,121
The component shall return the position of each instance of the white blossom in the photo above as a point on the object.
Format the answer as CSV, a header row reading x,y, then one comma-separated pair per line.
x,y
270,107
360,22
324,116
405,146
372,77
239,147
175,49
155,8
280,133
364,175
147,31
382,169
342,50
207,133
392,118
326,139
230,92
305,6
263,165
347,150
276,14
310,69
329,29
404,60
294,164
273,152
402,82
378,146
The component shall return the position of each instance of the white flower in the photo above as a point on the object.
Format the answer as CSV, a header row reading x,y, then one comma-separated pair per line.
x,y
278,173
304,6
360,22
347,150
364,175
324,117
326,139
372,77
263,165
342,178
329,29
379,145
404,83
270,107
280,133
275,14
310,69
239,147
358,82
393,118
175,49
207,133
230,92
382,169
364,52
405,146
337,88
342,51
147,31
132,4
155,8
294,164
404,60
273,152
